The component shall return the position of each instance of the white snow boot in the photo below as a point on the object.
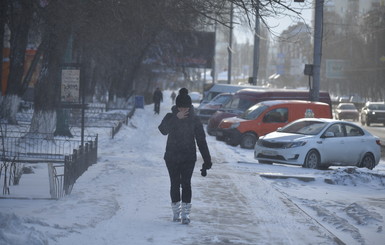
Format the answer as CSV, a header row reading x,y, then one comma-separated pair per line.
x,y
186,208
176,211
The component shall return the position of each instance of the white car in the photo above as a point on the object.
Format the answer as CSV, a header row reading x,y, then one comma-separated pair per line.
x,y
319,143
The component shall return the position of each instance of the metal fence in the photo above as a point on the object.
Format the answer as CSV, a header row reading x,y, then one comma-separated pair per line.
x,y
36,147
66,159
17,149
118,126
96,116
77,163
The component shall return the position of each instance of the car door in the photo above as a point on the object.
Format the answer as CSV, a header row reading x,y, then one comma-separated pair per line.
x,y
355,139
273,119
334,148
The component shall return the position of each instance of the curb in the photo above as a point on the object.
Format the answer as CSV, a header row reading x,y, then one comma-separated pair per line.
x,y
302,178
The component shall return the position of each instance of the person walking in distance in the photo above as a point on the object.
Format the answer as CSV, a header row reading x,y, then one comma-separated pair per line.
x,y
173,95
183,128
157,98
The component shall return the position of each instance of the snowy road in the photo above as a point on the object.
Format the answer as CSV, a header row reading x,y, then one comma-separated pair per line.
x,y
124,199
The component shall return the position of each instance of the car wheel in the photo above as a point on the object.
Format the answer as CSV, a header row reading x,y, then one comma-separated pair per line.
x,y
312,160
367,122
248,141
367,161
229,141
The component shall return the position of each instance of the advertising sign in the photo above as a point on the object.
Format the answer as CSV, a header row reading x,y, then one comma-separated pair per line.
x,y
336,68
70,85
198,49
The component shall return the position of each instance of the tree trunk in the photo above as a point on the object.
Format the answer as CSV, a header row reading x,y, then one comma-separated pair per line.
x,y
9,106
20,19
3,11
47,89
43,122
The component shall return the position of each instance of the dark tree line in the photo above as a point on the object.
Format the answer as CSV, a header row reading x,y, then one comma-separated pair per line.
x,y
110,39
359,40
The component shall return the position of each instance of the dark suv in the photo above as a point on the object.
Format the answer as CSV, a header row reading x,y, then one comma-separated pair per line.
x,y
373,112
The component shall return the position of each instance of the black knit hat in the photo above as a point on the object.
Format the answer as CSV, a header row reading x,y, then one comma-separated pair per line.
x,y
183,99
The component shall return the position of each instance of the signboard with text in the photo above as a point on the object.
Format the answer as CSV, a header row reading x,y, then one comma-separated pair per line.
x,y
70,85
336,68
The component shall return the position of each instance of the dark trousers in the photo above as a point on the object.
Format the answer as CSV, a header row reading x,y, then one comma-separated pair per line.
x,y
157,107
180,177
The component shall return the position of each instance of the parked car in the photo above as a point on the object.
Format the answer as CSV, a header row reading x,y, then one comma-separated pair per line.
x,y
266,117
196,97
373,112
346,111
344,99
320,143
245,98
211,90
205,111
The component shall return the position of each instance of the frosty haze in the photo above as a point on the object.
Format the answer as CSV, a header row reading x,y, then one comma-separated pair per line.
x,y
124,199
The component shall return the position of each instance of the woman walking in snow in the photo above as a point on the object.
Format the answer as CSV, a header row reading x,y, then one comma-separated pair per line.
x,y
183,128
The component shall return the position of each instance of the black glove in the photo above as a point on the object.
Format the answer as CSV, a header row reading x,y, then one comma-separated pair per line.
x,y
203,172
205,166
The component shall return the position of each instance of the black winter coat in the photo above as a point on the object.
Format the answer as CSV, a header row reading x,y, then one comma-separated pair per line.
x,y
182,134
157,96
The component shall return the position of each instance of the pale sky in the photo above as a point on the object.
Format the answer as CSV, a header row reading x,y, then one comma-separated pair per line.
x,y
278,23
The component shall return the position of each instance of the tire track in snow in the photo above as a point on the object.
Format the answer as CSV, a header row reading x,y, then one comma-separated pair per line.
x,y
227,214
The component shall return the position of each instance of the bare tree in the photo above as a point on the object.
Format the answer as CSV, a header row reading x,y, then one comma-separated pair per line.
x,y
20,16
57,17
369,62
110,39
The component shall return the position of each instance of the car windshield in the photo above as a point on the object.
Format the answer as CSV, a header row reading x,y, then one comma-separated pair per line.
x,y
254,112
377,107
304,127
239,104
348,107
222,99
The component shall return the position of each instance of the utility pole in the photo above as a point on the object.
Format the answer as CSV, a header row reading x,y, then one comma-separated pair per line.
x,y
318,29
257,33
229,48
214,68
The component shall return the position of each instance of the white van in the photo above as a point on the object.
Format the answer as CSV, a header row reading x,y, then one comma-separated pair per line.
x,y
213,89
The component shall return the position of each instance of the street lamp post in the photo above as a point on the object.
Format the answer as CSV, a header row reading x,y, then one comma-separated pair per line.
x,y
318,26
230,50
257,34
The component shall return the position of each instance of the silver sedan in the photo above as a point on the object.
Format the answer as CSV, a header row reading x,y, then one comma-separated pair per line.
x,y
320,143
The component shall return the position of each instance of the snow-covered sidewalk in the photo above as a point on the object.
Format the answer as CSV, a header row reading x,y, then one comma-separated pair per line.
x,y
124,199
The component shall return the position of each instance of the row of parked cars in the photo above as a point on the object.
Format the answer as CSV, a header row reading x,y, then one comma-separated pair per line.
x,y
372,112
281,126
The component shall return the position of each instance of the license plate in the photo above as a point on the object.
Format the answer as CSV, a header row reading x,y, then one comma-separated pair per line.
x,y
219,133
269,153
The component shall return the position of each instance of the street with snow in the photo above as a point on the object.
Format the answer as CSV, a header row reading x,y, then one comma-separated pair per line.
x,y
124,199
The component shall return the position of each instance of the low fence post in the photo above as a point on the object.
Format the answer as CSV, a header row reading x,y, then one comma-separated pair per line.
x,y
51,179
67,173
